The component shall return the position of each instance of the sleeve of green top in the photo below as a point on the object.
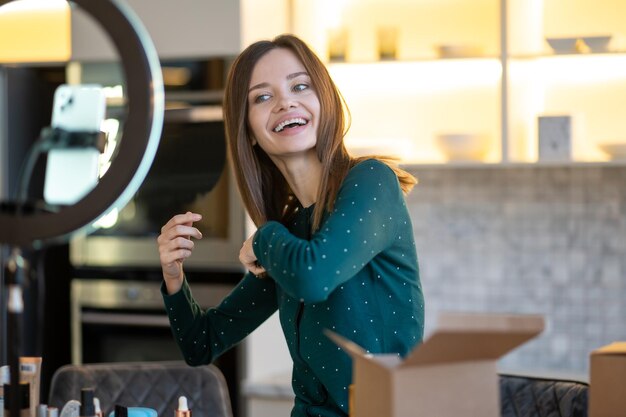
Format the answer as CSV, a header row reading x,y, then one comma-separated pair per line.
x,y
360,227
203,335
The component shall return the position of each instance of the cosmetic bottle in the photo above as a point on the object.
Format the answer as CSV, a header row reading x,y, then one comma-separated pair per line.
x,y
96,405
183,408
87,408
70,409
24,400
42,410
30,371
4,379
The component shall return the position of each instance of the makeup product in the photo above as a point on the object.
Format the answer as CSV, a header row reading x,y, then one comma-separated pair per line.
x,y
52,412
42,410
120,411
23,398
4,379
96,405
133,412
183,408
87,408
71,409
30,372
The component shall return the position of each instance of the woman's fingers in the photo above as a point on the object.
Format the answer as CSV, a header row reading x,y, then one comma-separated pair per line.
x,y
182,225
175,244
256,269
176,249
249,260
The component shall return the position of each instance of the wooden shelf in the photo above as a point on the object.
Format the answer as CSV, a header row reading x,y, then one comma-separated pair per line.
x,y
577,55
504,165
415,60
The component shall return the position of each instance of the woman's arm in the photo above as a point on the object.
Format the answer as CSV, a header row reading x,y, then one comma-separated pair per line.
x,y
203,335
361,226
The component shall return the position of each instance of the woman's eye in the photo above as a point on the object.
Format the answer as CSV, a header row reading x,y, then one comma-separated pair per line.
x,y
261,98
300,87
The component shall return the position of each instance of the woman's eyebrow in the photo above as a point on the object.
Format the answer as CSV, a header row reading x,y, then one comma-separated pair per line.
x,y
260,85
289,77
296,74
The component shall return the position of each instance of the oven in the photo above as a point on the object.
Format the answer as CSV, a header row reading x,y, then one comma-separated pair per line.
x,y
190,172
115,321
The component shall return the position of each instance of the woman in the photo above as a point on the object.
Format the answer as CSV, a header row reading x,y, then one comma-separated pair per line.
x,y
334,246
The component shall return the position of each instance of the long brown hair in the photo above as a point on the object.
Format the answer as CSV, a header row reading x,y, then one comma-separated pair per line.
x,y
264,191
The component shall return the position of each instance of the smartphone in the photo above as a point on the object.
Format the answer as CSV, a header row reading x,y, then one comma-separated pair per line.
x,y
71,173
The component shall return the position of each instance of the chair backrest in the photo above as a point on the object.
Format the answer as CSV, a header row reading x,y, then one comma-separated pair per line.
x,y
156,385
542,397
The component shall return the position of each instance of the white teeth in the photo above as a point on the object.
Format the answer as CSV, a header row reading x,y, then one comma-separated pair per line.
x,y
281,125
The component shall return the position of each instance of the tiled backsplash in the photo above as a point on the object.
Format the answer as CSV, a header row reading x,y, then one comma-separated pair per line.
x,y
548,240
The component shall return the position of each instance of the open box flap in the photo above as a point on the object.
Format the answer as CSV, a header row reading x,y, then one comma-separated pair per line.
x,y
615,348
468,337
389,360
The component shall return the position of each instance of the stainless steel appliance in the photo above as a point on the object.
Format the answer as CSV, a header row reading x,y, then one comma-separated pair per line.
x,y
190,173
115,320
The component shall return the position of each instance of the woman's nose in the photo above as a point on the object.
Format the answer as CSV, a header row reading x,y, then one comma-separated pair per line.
x,y
284,102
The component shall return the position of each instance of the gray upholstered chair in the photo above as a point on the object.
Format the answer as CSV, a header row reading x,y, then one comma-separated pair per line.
x,y
155,385
526,396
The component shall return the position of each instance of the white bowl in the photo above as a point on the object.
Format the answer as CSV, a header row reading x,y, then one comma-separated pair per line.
x,y
463,146
563,45
615,150
597,43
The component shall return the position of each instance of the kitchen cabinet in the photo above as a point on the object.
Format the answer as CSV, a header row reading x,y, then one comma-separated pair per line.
x,y
480,68
183,29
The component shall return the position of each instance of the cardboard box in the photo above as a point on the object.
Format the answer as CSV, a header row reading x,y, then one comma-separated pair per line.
x,y
607,381
453,373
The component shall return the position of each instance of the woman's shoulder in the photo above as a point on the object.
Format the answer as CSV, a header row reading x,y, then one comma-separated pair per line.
x,y
383,169
371,168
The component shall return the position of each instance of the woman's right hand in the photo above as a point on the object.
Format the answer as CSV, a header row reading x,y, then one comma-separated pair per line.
x,y
175,245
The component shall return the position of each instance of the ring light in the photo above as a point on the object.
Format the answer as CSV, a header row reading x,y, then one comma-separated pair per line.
x,y
141,134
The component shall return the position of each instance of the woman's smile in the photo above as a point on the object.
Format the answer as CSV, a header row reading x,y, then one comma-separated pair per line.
x,y
290,123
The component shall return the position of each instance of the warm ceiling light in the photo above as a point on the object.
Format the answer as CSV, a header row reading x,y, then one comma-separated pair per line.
x,y
34,31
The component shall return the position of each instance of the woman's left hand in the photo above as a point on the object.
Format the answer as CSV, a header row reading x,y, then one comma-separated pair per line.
x,y
249,260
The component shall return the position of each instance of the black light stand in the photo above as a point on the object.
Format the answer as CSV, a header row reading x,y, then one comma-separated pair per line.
x,y
14,272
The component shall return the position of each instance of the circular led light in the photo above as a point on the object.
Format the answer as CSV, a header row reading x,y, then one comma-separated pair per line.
x,y
142,131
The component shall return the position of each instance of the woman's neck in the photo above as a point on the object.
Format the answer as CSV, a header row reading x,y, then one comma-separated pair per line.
x,y
303,176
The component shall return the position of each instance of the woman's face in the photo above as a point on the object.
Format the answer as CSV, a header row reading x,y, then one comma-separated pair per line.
x,y
283,107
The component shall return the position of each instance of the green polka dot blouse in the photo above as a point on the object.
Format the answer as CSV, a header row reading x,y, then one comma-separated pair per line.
x,y
356,275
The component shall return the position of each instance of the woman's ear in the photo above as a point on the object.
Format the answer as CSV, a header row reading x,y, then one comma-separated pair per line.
x,y
253,141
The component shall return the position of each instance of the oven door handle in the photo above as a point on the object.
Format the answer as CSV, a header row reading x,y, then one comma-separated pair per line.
x,y
134,320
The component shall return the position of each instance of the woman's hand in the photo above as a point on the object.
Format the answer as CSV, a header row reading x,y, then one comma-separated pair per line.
x,y
248,258
175,245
